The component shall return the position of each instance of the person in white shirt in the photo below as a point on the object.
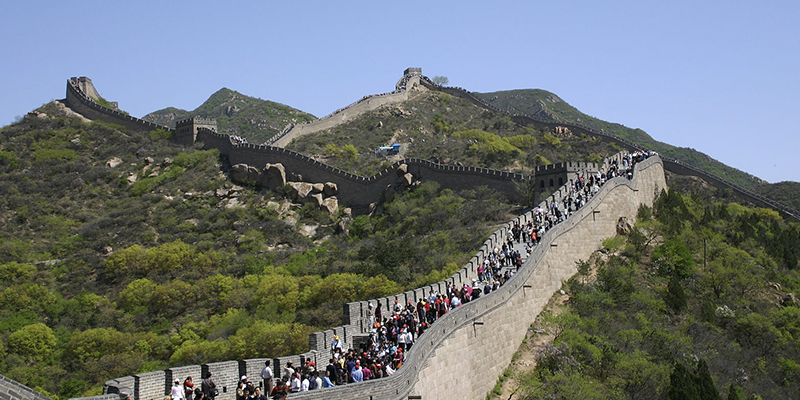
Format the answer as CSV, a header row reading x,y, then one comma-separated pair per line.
x,y
177,390
318,379
304,384
267,376
295,386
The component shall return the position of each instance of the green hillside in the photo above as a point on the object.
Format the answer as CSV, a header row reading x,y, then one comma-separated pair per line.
x,y
440,127
122,253
545,105
237,114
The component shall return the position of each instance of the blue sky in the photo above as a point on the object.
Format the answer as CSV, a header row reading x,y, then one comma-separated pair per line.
x,y
722,77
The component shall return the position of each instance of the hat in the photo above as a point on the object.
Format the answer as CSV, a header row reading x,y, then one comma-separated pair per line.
x,y
244,377
177,381
336,337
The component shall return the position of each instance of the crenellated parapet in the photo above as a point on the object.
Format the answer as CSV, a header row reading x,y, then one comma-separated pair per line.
x,y
80,102
186,129
360,191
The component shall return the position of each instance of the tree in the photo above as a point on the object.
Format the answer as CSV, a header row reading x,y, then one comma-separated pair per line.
x,y
34,342
673,257
675,297
441,80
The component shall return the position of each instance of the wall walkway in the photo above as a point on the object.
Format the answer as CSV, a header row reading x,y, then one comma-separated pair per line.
x,y
344,114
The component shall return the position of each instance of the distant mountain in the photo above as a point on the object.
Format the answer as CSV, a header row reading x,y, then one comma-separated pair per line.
x,y
545,105
237,114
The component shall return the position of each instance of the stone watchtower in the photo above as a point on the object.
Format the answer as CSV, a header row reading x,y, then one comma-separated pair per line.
x,y
552,176
406,81
186,129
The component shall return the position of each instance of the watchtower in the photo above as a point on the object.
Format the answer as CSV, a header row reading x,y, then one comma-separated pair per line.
x,y
186,129
552,176
406,81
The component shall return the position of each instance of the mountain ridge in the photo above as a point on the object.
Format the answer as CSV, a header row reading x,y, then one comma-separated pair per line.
x,y
237,114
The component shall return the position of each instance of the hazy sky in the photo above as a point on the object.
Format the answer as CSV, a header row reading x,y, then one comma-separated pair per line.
x,y
722,77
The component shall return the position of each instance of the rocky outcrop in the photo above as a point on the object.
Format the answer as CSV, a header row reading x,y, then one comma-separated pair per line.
x,y
274,176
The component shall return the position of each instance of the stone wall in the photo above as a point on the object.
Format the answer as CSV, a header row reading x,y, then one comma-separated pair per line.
x,y
343,115
79,102
359,191
13,390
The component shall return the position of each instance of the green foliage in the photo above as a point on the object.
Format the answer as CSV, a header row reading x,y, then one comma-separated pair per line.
x,y
191,160
349,151
159,262
8,161
32,342
675,298
614,242
440,80
490,148
551,139
688,385
674,258
159,134
44,155
147,185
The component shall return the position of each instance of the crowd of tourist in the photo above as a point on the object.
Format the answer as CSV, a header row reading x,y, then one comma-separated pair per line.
x,y
393,332
236,139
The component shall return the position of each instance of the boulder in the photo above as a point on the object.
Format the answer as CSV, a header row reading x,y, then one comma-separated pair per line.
x,y
402,169
331,204
274,176
245,174
317,187
300,190
113,162
331,189
407,180
316,199
623,226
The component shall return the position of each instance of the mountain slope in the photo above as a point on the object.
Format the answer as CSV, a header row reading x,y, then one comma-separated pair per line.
x,y
545,105
237,114
437,126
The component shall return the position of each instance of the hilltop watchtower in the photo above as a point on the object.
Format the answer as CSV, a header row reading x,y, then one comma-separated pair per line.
x,y
406,81
186,129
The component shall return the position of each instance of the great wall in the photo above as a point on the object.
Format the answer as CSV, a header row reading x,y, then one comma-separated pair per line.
x,y
499,320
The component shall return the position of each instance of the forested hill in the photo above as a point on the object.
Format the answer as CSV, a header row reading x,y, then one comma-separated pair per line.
x,y
237,114
548,106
